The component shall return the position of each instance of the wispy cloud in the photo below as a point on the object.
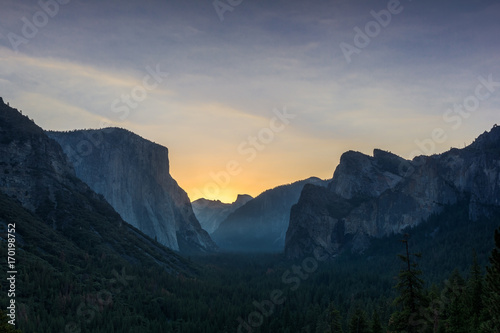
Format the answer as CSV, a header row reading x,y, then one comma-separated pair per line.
x,y
225,78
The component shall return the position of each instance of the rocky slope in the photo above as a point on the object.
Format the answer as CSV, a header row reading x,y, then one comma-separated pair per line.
x,y
374,196
260,225
57,215
211,213
133,175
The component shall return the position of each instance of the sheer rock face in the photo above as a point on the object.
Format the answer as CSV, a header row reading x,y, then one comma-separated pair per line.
x,y
380,195
133,175
211,213
260,225
37,176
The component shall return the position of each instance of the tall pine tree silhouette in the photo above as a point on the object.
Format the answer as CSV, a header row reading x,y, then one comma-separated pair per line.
x,y
474,296
411,299
358,322
492,299
334,319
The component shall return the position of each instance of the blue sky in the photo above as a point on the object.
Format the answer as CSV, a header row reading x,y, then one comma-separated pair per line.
x,y
227,80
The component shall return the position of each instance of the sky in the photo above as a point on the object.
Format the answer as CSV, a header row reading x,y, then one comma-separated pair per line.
x,y
248,95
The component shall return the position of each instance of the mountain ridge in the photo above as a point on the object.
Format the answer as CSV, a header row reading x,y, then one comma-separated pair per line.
x,y
373,196
37,180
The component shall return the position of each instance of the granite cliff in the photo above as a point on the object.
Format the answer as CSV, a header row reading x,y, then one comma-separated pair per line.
x,y
57,216
133,176
380,195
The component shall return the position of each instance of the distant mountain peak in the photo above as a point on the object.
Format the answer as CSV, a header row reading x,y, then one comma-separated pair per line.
x,y
211,213
243,197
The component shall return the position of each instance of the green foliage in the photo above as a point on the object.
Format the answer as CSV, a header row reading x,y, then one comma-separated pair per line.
x,y
492,298
474,296
461,306
334,320
68,280
376,326
455,307
358,322
411,297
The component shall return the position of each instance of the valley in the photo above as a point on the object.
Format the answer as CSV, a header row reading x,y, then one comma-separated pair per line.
x,y
91,255
233,166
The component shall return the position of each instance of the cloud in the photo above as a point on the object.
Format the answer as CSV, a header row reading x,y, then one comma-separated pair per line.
x,y
225,78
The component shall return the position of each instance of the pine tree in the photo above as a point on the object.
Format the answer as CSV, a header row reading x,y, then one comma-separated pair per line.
x,y
376,327
474,296
411,299
492,299
358,322
456,309
334,320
